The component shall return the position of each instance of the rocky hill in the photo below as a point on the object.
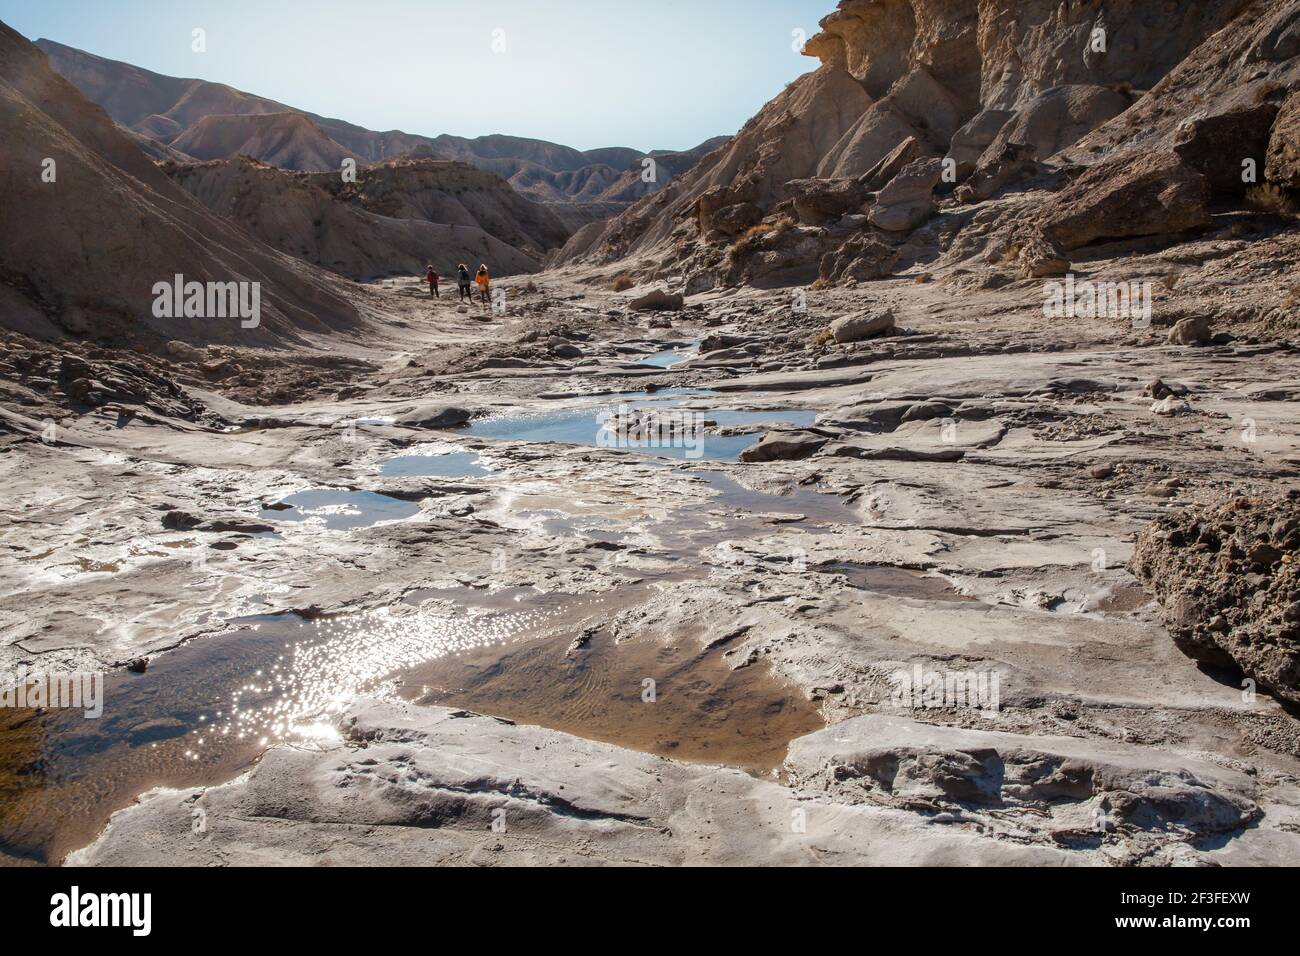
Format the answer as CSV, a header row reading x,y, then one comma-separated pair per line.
x,y
214,121
374,229
960,136
287,140
101,224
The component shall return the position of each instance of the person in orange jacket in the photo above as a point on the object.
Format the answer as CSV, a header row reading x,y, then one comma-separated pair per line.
x,y
484,281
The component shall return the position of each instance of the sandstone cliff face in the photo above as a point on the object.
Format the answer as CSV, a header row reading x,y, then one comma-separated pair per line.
x,y
1006,94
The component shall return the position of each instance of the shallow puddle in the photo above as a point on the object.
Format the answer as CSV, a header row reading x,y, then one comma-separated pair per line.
x,y
208,709
461,464
340,510
668,698
654,427
670,357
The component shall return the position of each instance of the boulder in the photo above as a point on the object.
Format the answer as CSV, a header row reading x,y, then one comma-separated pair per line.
x,y
908,151
735,219
1040,258
1009,164
1195,331
784,446
862,258
866,324
821,201
1154,194
908,200
969,143
435,416
658,301
1216,145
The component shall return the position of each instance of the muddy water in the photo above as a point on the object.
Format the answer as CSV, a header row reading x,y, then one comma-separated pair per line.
x,y
672,698
208,709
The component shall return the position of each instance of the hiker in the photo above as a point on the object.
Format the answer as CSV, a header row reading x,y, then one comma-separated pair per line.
x,y
431,277
463,281
483,281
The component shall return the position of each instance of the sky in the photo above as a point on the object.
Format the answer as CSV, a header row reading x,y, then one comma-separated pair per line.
x,y
666,74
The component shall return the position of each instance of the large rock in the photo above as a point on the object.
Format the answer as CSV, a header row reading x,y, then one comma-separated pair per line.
x,y
818,202
969,143
1217,145
1041,258
734,219
1154,195
862,258
878,177
1193,331
1057,118
908,200
435,416
1228,577
658,301
866,324
784,446
997,170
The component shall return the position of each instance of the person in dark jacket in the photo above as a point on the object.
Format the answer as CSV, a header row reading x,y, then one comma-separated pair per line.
x,y
463,281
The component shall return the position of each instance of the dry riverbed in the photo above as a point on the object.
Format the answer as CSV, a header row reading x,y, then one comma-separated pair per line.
x,y
378,635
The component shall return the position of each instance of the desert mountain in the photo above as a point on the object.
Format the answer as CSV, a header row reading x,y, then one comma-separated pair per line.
x,y
215,121
959,132
287,140
397,218
101,224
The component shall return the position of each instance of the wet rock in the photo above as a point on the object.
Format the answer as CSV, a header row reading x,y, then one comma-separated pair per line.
x,y
435,416
562,349
180,521
138,666
866,324
784,446
658,301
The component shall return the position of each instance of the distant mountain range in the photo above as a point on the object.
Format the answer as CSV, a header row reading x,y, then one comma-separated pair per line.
x,y
206,121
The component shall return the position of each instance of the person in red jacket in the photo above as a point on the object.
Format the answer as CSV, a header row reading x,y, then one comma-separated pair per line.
x,y
431,277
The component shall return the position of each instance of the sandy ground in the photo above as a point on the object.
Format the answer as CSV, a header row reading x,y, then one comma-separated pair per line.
x,y
763,602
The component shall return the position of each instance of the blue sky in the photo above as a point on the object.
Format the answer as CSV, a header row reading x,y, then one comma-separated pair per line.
x,y
587,73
